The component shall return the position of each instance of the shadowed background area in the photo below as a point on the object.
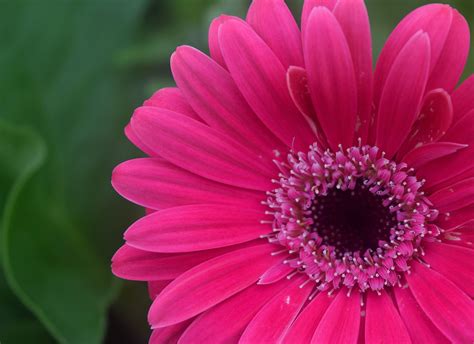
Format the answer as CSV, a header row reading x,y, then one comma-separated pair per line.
x,y
71,73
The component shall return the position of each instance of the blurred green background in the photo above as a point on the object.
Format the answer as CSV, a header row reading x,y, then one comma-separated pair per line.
x,y
71,73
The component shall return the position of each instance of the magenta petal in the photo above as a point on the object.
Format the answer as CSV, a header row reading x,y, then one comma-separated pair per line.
x,y
136,141
200,149
463,101
211,91
138,265
435,118
196,227
302,330
261,78
275,273
354,21
155,287
461,131
420,156
171,98
383,322
210,283
170,334
297,80
149,182
273,320
213,39
461,235
308,7
402,94
434,19
225,322
454,197
340,323
273,21
454,262
456,217
331,77
446,305
420,328
450,64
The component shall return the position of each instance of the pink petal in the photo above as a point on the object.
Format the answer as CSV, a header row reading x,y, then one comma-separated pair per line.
x,y
456,218
308,7
150,182
463,101
261,78
225,322
440,170
434,19
200,149
454,262
155,287
171,98
420,156
273,320
420,328
448,307
214,95
461,131
402,94
452,180
275,273
170,334
210,283
297,80
136,141
302,330
340,323
382,322
354,21
331,77
454,197
196,227
450,64
435,118
273,21
461,235
138,265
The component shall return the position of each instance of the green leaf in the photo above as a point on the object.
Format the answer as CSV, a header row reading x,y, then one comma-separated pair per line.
x,y
58,75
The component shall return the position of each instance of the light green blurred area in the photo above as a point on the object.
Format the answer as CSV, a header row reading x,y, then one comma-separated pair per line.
x,y
71,73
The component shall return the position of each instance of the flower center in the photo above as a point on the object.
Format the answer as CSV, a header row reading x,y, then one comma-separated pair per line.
x,y
349,218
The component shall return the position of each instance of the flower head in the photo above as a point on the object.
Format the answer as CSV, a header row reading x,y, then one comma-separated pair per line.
x,y
295,195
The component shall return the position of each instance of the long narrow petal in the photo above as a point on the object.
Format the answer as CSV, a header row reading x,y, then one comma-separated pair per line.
x,y
155,287
450,64
454,262
273,21
302,330
331,77
434,19
200,149
133,138
225,322
149,182
297,80
196,227
273,320
422,155
170,334
456,217
211,91
402,95
463,101
340,323
461,235
261,78
171,98
354,20
210,283
461,131
454,197
444,303
138,265
383,321
435,118
275,273
308,7
420,328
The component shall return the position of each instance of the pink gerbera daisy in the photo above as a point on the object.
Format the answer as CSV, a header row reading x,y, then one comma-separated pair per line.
x,y
295,195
